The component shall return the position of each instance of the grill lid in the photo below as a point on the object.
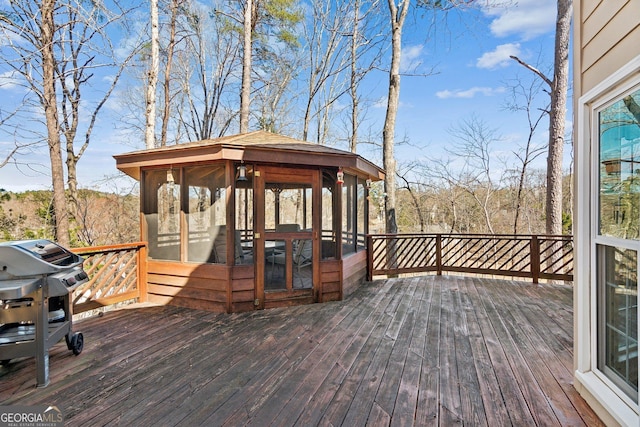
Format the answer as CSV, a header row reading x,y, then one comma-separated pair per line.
x,y
34,257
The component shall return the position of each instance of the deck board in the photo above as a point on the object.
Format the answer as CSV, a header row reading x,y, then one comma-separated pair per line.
x,y
422,351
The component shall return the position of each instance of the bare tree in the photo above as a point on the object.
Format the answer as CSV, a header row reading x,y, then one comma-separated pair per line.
x,y
8,156
31,29
409,187
152,77
365,54
523,96
470,168
274,99
558,92
55,47
84,40
326,47
171,47
261,23
49,102
473,144
398,14
247,47
206,74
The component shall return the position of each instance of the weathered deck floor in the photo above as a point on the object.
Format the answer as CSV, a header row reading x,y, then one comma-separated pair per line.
x,y
413,351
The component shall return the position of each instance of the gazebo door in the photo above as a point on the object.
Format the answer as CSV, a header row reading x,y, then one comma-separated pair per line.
x,y
286,241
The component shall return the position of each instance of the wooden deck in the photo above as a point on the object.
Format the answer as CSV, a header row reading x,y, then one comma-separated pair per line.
x,y
412,351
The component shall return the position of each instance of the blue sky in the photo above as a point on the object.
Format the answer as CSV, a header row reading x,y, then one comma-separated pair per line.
x,y
471,65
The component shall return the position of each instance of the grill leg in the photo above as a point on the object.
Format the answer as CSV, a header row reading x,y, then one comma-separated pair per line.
x,y
42,338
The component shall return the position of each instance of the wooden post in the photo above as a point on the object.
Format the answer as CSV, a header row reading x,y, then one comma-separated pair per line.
x,y
439,254
535,259
142,273
369,258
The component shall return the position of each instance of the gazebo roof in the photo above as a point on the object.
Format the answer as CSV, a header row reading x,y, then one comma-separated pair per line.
x,y
258,146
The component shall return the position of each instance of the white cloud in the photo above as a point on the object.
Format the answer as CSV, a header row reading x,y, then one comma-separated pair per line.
x,y
410,58
469,93
524,18
380,102
8,80
499,57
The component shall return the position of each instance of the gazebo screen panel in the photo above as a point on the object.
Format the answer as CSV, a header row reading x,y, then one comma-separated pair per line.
x,y
206,214
161,208
244,216
329,227
361,222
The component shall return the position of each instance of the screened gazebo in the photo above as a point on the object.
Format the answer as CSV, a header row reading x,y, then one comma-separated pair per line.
x,y
252,221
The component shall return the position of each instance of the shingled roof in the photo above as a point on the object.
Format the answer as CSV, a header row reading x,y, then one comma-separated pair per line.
x,y
258,146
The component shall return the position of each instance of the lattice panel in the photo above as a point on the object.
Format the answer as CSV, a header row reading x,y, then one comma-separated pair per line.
x,y
547,257
556,255
486,253
404,253
112,273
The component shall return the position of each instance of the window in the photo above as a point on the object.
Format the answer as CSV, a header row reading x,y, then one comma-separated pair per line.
x,y
202,199
618,317
361,213
206,214
329,228
619,163
161,208
354,214
288,204
349,214
618,240
244,216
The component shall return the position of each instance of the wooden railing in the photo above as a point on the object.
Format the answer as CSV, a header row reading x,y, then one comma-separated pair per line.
x,y
530,256
117,273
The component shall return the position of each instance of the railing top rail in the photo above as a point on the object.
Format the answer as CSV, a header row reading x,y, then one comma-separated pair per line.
x,y
471,235
107,248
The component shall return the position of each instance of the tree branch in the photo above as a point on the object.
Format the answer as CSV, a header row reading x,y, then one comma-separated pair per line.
x,y
533,69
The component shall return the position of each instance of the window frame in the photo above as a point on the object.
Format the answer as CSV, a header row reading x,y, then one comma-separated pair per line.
x,y
600,240
587,375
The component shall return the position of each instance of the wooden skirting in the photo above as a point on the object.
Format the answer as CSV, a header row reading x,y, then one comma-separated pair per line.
x,y
220,288
198,286
354,272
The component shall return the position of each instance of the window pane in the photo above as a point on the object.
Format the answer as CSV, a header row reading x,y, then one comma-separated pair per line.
x,y
362,224
275,266
618,317
328,222
162,213
349,214
619,160
244,218
288,204
302,264
206,214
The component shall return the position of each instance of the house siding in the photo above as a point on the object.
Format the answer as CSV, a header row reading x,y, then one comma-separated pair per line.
x,y
607,35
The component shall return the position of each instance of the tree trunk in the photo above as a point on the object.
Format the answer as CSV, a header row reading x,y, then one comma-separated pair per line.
x,y
557,118
167,73
353,87
397,21
245,92
61,220
150,128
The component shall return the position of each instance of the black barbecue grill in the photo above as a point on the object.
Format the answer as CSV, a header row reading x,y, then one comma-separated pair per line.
x,y
36,281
